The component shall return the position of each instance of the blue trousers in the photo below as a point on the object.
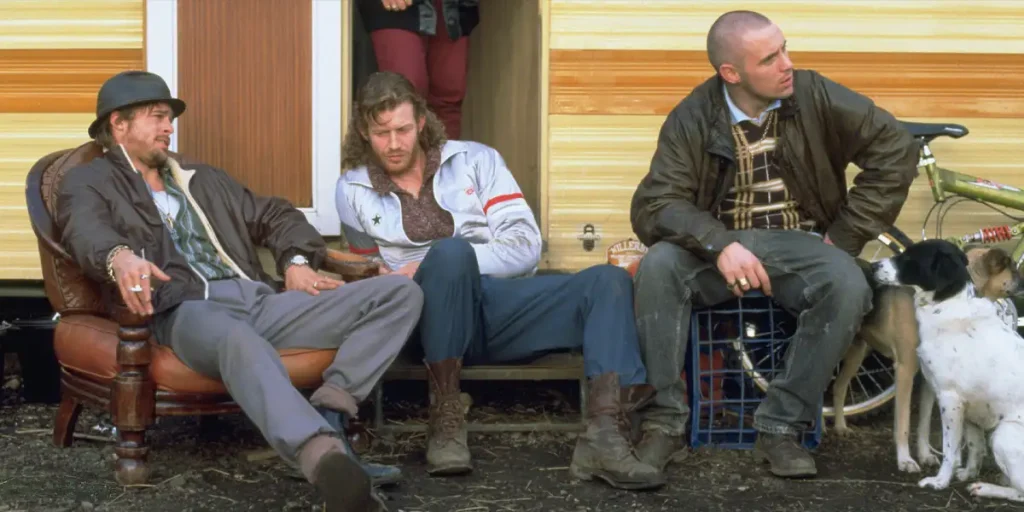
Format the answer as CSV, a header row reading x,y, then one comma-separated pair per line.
x,y
484,319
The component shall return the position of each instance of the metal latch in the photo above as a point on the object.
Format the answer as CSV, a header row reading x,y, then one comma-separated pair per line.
x,y
589,237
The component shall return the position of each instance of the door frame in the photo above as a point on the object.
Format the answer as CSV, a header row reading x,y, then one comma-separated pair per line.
x,y
331,91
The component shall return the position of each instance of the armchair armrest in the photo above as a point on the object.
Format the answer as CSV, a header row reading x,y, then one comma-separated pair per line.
x,y
351,267
133,401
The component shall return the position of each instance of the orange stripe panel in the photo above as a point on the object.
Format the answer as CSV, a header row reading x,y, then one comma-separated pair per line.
x,y
59,81
936,85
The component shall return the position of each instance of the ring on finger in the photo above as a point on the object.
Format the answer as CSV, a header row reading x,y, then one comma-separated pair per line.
x,y
315,283
144,276
731,285
137,288
743,282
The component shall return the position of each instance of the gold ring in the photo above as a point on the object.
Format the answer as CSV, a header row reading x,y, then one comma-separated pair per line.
x,y
315,283
743,282
730,286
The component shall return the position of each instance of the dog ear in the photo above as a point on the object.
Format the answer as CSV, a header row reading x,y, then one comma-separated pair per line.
x,y
949,270
996,261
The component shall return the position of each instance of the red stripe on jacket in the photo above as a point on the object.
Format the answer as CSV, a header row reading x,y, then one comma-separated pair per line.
x,y
501,199
357,250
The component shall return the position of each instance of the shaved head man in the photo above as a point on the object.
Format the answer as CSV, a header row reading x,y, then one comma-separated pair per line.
x,y
749,52
747,190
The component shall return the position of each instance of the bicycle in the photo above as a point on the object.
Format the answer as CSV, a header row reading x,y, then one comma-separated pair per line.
x,y
875,378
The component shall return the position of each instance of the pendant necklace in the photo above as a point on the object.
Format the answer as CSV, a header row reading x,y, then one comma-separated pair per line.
x,y
168,219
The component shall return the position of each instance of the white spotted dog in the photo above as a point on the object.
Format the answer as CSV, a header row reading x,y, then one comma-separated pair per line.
x,y
972,361
890,328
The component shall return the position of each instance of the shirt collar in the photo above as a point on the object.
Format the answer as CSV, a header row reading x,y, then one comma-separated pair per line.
x,y
736,115
382,184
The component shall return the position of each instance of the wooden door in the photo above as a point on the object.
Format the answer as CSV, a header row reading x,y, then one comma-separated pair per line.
x,y
263,84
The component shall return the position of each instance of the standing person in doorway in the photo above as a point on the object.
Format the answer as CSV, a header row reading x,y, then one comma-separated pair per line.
x,y
427,41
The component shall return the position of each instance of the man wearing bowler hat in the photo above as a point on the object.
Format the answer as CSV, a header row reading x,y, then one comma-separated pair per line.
x,y
180,243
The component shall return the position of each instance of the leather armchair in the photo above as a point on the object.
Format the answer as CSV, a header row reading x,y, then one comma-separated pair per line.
x,y
108,357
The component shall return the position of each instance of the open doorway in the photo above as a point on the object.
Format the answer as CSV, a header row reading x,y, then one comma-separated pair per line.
x,y
502,107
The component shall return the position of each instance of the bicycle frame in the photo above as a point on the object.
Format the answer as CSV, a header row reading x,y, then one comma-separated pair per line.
x,y
945,183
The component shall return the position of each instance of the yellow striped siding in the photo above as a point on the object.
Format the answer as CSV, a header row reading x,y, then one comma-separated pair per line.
x,y
617,67
834,25
71,24
24,139
54,55
596,162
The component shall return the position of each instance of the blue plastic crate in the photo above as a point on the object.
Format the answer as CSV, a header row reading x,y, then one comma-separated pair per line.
x,y
723,393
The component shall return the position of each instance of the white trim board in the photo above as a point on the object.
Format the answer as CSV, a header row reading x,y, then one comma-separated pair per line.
x,y
162,58
162,47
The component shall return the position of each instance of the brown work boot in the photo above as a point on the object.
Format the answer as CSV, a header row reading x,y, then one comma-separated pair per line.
x,y
447,448
634,398
658,448
785,454
603,450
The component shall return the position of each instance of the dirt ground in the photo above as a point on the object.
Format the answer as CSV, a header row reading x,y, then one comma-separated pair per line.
x,y
208,465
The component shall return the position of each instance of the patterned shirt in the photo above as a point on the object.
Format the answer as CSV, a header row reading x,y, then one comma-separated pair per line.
x,y
759,198
188,233
422,218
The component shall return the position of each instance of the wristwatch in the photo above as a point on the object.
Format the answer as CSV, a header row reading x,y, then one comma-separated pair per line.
x,y
298,259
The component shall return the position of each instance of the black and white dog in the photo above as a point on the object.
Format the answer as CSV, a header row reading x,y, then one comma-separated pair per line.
x,y
973,362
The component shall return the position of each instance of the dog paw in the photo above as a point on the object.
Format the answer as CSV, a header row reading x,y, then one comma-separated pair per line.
x,y
843,431
934,482
929,459
964,474
908,465
978,489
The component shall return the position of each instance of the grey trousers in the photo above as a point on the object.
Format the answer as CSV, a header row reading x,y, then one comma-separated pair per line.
x,y
234,336
821,284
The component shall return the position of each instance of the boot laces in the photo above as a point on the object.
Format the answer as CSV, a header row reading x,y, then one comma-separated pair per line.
x,y
449,416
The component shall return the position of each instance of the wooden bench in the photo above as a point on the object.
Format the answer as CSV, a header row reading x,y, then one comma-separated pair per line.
x,y
559,366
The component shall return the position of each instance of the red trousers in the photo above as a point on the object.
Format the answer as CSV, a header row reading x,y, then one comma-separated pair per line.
x,y
436,65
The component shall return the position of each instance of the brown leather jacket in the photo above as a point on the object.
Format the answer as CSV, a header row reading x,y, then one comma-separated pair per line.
x,y
105,203
823,127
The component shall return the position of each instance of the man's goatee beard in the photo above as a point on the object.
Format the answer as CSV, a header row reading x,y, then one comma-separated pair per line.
x,y
155,159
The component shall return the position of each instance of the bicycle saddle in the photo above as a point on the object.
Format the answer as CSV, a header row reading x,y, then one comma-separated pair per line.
x,y
929,131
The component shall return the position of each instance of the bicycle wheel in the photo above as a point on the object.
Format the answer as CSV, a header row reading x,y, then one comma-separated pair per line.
x,y
874,385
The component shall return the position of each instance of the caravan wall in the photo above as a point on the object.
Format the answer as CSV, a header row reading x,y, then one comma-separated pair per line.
x,y
572,92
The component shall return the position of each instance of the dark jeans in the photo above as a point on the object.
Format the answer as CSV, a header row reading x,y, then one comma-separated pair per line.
x,y
485,319
822,284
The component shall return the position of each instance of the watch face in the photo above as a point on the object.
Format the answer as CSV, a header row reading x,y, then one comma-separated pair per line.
x,y
299,259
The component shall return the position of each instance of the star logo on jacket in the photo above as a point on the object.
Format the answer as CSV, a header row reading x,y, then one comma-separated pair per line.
x,y
376,220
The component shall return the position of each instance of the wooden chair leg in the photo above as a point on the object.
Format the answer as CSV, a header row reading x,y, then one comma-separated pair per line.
x,y
133,403
64,425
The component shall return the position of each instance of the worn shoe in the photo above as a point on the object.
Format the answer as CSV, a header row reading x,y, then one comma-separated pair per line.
x,y
447,444
603,451
344,485
380,474
657,449
786,456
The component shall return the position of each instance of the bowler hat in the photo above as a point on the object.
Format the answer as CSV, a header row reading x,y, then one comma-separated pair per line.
x,y
132,88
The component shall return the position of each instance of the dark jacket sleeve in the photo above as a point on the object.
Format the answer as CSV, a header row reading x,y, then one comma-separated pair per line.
x,y
664,204
274,223
887,155
86,223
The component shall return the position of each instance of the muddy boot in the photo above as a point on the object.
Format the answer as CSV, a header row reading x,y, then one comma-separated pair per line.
x,y
658,448
634,398
786,456
603,450
447,448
